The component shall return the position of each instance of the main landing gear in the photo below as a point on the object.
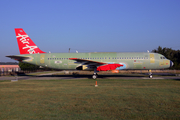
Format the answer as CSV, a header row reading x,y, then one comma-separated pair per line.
x,y
150,74
95,74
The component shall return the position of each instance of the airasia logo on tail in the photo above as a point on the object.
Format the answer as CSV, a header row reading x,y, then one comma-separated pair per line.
x,y
26,45
25,41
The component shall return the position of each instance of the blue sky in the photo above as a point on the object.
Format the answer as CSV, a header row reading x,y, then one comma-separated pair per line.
x,y
90,25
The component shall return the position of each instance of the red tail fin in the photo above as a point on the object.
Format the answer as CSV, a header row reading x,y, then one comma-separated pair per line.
x,y
26,45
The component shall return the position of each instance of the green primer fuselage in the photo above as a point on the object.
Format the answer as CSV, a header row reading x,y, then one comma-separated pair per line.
x,y
130,61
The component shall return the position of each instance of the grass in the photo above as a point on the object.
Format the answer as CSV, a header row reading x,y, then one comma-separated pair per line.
x,y
79,99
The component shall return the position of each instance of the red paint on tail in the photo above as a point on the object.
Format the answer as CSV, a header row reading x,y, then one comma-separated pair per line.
x,y
26,45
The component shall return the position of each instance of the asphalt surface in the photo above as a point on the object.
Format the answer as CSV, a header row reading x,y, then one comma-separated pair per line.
x,y
51,76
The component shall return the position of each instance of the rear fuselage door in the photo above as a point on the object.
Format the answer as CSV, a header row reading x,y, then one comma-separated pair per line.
x,y
42,59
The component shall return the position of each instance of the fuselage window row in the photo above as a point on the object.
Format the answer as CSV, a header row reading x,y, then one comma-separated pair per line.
x,y
126,58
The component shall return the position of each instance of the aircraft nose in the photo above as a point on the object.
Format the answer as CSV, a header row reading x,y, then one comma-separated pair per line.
x,y
171,63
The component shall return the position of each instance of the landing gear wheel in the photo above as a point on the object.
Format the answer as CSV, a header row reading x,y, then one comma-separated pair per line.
x,y
94,76
150,76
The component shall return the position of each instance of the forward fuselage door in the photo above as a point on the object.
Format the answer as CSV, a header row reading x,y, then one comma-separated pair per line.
x,y
152,60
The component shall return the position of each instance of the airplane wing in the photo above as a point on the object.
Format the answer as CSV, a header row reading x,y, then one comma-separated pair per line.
x,y
100,66
18,58
88,62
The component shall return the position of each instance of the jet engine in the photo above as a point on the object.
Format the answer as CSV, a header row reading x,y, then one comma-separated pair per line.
x,y
85,67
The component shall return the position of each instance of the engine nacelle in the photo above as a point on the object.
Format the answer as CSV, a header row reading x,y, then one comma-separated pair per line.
x,y
85,67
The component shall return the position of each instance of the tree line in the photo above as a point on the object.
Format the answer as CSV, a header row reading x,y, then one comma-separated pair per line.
x,y
173,55
30,67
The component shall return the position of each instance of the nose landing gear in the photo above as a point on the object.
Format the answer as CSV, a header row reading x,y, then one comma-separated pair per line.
x,y
150,74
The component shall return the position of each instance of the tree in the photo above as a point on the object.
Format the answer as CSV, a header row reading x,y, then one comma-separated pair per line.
x,y
173,55
29,67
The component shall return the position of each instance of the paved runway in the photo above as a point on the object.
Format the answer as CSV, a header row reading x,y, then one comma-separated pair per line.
x,y
75,77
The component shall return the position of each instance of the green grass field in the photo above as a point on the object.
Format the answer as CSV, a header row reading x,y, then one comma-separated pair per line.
x,y
80,99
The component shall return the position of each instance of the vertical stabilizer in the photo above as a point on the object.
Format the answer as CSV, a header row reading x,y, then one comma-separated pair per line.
x,y
25,44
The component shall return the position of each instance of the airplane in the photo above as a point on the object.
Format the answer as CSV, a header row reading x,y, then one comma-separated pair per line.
x,y
93,61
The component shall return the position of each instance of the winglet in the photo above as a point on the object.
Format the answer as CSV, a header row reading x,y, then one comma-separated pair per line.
x,y
26,45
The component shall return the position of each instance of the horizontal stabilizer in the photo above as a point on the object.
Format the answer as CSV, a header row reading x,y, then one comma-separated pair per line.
x,y
18,58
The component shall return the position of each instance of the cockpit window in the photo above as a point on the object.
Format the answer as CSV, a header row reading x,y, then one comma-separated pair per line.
x,y
162,57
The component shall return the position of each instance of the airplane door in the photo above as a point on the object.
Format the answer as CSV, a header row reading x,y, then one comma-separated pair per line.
x,y
42,59
152,60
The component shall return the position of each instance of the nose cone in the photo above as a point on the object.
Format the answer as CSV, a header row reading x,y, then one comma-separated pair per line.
x,y
171,63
